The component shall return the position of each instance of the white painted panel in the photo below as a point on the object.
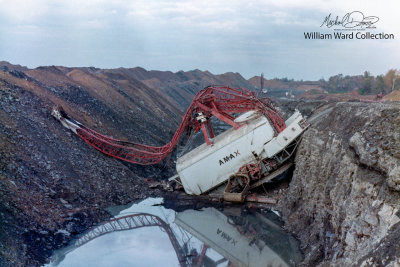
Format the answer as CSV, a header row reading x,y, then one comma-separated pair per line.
x,y
208,166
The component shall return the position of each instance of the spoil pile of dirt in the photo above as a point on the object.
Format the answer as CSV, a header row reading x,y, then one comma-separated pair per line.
x,y
393,96
52,184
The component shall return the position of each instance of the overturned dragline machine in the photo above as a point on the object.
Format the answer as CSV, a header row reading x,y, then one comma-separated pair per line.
x,y
255,150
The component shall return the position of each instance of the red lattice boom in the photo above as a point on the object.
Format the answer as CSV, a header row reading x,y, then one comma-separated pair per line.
x,y
218,101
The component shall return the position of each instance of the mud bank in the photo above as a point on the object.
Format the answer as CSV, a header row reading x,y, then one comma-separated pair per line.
x,y
343,201
53,185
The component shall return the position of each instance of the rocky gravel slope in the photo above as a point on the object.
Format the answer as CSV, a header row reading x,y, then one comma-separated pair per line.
x,y
344,198
52,184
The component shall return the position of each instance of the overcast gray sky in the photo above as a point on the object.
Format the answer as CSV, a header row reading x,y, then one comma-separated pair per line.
x,y
248,37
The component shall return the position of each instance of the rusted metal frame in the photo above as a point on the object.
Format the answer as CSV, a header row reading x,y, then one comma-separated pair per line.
x,y
271,175
217,114
210,129
203,128
139,155
225,119
236,197
201,256
100,142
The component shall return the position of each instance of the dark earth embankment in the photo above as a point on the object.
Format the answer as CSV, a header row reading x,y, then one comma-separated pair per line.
x,y
52,184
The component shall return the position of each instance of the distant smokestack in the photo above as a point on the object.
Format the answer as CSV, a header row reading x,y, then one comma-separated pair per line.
x,y
261,84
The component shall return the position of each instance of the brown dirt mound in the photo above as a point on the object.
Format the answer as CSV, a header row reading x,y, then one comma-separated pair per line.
x,y
393,96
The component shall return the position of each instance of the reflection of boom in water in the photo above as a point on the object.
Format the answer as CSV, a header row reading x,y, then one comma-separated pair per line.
x,y
251,240
128,222
240,239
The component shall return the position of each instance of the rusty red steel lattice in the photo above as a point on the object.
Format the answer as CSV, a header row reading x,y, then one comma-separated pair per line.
x,y
218,101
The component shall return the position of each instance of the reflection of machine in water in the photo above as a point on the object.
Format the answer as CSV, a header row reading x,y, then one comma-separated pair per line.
x,y
239,238
244,240
124,223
